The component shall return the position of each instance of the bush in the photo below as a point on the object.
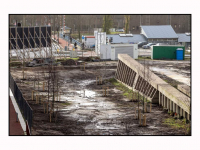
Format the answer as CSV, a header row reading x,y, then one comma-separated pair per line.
x,y
14,64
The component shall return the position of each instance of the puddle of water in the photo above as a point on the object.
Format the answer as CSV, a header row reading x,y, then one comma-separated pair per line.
x,y
115,90
76,106
87,93
86,82
86,104
107,125
65,98
152,127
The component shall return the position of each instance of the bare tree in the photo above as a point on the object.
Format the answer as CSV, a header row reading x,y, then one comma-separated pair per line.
x,y
146,74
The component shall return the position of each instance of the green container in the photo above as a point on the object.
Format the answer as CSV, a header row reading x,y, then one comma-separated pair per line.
x,y
166,52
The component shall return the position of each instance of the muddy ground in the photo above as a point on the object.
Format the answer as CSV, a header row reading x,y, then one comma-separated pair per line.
x,y
182,67
91,113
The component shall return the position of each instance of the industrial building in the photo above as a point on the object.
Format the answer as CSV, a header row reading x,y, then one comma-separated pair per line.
x,y
159,34
184,39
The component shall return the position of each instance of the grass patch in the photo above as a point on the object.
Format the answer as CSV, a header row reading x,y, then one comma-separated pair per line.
x,y
128,93
61,60
66,104
171,83
28,83
13,59
141,58
14,64
187,58
178,124
186,52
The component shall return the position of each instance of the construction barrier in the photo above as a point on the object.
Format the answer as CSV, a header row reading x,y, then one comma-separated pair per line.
x,y
22,103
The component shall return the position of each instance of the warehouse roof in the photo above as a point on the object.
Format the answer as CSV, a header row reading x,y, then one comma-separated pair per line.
x,y
182,37
159,31
126,39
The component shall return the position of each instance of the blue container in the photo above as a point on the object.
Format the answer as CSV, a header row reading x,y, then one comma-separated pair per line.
x,y
179,54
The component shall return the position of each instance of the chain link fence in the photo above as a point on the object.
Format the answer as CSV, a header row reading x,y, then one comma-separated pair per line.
x,y
22,103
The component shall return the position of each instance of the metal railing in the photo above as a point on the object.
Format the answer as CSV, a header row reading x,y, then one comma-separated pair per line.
x,y
22,103
73,40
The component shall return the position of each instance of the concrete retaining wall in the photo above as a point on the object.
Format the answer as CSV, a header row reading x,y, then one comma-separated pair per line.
x,y
136,77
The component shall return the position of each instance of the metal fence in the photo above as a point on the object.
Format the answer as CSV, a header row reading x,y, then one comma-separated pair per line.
x,y
22,103
73,40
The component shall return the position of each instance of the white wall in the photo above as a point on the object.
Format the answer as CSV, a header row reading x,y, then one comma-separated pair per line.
x,y
124,50
105,51
90,41
100,38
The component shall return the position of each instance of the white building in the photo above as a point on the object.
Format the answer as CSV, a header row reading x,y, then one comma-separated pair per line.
x,y
100,38
111,51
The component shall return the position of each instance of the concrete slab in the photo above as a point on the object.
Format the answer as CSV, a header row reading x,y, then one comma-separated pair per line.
x,y
184,88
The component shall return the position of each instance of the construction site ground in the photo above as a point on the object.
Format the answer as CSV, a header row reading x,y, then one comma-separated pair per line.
x,y
83,110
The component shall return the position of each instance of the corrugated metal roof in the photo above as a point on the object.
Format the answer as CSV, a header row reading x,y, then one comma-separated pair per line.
x,y
182,37
159,31
135,38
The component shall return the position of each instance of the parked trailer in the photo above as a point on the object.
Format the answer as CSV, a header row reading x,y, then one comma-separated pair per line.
x,y
130,49
166,52
111,51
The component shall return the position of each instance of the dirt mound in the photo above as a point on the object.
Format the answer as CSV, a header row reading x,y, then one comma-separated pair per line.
x,y
89,58
69,62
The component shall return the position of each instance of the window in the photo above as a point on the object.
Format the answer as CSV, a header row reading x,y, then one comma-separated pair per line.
x,y
133,27
179,25
175,25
